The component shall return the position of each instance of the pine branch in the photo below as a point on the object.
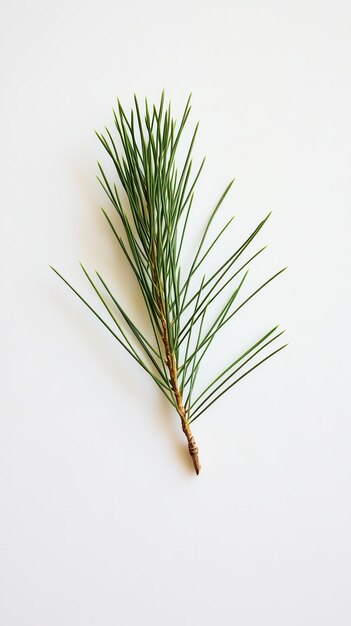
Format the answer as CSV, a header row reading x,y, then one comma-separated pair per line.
x,y
153,228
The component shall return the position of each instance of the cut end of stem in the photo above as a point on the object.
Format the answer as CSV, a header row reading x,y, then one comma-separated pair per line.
x,y
193,449
197,465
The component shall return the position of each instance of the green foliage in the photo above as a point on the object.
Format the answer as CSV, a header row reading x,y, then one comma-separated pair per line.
x,y
154,224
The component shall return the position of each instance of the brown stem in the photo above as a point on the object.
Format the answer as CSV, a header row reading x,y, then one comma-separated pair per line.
x,y
193,449
173,374
172,367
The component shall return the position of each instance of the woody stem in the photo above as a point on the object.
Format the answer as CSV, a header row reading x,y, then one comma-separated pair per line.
x,y
173,374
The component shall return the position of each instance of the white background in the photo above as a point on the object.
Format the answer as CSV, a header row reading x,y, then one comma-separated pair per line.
x,y
102,520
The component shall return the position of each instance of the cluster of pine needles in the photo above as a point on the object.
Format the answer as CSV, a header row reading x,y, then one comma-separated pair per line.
x,y
185,311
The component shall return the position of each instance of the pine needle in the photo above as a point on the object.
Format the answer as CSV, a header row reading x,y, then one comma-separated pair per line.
x,y
153,227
